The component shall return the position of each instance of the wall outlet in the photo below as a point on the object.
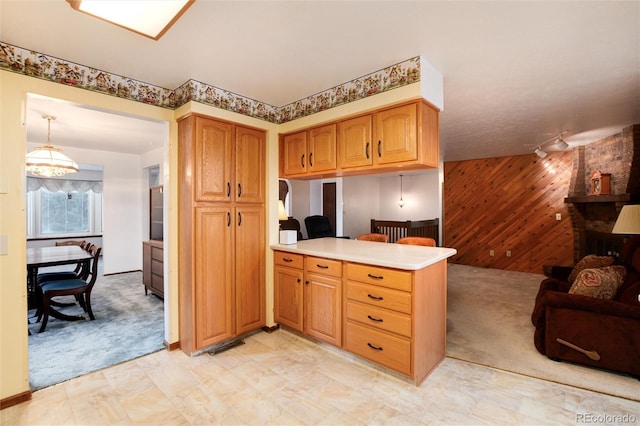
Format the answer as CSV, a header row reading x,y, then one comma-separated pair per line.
x,y
492,253
508,253
558,216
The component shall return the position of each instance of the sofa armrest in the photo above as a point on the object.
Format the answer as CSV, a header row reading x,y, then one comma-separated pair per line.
x,y
556,299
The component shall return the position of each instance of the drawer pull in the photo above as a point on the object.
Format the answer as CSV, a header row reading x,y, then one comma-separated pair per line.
x,y
375,297
287,259
375,277
375,319
322,266
376,348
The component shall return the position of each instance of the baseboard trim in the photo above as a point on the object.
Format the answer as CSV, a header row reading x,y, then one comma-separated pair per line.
x,y
15,400
271,329
171,346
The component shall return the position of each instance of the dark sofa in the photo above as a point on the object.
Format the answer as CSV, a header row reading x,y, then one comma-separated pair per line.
x,y
597,332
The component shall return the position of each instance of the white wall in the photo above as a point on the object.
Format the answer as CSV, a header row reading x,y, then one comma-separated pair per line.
x,y
361,203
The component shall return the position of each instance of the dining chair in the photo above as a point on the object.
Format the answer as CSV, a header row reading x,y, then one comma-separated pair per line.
x,y
80,270
382,238
417,241
79,287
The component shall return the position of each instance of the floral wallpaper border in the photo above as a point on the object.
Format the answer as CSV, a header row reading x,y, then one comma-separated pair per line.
x,y
46,67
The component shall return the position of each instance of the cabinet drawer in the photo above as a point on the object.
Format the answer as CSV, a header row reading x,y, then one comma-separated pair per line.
x,y
291,260
157,268
324,266
392,278
379,296
391,351
382,319
156,253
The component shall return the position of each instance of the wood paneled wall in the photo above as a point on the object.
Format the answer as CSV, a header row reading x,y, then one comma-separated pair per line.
x,y
509,204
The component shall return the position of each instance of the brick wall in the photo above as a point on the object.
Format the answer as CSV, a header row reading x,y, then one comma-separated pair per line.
x,y
593,217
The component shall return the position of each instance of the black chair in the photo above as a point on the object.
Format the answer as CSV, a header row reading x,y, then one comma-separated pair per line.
x,y
291,224
319,227
78,287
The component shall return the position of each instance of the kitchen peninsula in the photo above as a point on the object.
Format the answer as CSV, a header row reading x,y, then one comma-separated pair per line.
x,y
383,302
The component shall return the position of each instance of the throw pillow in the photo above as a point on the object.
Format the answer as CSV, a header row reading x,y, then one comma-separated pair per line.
x,y
589,262
601,283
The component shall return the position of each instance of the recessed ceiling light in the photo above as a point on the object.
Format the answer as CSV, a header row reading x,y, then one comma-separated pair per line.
x,y
150,18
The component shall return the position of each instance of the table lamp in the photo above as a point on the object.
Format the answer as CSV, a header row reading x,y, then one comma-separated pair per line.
x,y
628,221
287,236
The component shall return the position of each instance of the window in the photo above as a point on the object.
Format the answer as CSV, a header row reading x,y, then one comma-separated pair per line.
x,y
56,214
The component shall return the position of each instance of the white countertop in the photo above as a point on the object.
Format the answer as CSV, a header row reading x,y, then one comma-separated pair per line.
x,y
400,256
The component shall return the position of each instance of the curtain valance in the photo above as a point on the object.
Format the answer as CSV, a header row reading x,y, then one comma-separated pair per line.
x,y
64,185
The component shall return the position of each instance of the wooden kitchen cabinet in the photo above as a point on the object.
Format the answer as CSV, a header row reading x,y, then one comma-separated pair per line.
x,y
403,136
288,290
309,299
323,300
399,137
222,231
310,152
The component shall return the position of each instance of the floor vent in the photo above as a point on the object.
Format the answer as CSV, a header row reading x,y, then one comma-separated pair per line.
x,y
226,346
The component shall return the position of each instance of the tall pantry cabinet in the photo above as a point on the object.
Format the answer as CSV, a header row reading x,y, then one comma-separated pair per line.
x,y
221,233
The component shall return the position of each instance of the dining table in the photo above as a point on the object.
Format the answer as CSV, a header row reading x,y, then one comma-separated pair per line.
x,y
39,257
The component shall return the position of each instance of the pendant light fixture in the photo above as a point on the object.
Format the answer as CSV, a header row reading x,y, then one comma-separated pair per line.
x,y
401,201
48,161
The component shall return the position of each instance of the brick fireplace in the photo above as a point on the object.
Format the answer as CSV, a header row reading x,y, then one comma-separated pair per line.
x,y
593,216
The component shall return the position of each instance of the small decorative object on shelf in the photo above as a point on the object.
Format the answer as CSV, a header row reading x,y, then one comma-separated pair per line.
x,y
600,183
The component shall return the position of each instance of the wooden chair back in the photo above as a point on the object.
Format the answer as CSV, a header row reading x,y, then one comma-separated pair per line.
x,y
417,241
382,238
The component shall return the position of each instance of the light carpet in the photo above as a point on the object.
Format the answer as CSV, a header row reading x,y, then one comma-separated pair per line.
x,y
128,324
489,323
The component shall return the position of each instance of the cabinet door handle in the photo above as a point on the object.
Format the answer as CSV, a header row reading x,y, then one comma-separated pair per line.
x,y
311,159
375,319
298,280
374,347
302,160
322,266
239,190
366,150
228,189
379,148
288,260
228,219
375,277
307,282
375,297
239,218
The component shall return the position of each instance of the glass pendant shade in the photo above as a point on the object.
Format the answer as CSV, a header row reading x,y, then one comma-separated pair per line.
x,y
49,161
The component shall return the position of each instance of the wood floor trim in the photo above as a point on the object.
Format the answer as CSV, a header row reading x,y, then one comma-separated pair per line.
x,y
15,400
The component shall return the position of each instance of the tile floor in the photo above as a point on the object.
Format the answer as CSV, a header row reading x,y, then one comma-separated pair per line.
x,y
282,379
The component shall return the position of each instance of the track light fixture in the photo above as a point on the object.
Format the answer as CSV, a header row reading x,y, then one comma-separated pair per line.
x,y
558,142
539,152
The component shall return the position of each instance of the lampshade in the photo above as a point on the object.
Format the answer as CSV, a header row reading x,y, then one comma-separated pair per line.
x,y
629,220
282,213
49,161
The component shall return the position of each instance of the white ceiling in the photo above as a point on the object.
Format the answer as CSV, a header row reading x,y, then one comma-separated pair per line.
x,y
516,73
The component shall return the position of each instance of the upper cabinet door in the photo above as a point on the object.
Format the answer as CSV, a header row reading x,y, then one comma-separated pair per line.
x,y
212,171
322,149
295,154
396,134
354,142
250,165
